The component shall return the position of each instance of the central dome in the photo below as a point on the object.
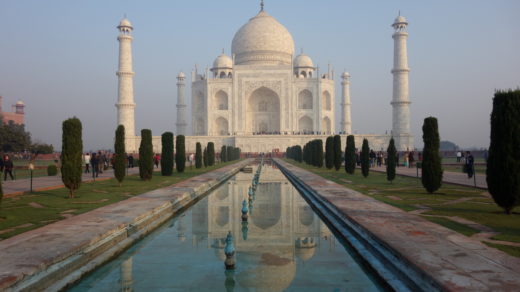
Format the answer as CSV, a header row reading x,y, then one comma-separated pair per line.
x,y
263,41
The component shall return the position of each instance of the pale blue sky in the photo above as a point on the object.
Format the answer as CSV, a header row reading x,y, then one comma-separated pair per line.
x,y
60,58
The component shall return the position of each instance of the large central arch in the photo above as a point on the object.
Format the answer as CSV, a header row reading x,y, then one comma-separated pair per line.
x,y
263,111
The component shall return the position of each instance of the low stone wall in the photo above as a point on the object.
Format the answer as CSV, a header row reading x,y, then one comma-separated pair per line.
x,y
56,255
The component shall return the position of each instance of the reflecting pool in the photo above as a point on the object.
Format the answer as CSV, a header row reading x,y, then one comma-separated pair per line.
x,y
283,246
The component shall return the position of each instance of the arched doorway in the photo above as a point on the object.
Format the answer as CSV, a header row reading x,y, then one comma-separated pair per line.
x,y
305,99
222,126
263,111
325,126
305,124
327,101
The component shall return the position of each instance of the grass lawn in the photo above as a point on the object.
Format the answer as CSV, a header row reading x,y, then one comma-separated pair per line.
x,y
30,211
408,194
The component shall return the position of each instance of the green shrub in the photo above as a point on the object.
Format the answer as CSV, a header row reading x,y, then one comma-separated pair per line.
x,y
329,152
119,147
431,166
365,158
71,155
52,170
205,157
350,155
146,155
211,153
180,154
503,164
167,154
223,154
390,161
198,155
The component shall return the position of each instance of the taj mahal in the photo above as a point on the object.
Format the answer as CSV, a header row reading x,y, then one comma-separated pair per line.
x,y
264,97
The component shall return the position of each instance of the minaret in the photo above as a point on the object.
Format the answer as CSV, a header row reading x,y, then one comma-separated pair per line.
x,y
400,100
181,105
346,122
125,101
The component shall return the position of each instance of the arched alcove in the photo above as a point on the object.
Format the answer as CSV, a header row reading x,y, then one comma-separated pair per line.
x,y
326,125
263,111
326,101
222,126
305,99
221,100
305,124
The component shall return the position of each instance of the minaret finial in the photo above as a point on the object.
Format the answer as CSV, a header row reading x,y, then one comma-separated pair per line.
x,y
124,15
223,51
399,12
262,5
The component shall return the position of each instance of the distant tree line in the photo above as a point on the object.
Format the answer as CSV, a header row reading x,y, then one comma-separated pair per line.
x,y
14,138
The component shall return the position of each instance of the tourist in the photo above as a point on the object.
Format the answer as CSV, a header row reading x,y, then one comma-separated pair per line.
x,y
94,161
8,167
406,159
411,159
156,160
130,161
86,158
459,156
469,165
101,163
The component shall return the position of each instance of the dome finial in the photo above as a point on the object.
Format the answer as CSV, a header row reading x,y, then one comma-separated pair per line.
x,y
262,5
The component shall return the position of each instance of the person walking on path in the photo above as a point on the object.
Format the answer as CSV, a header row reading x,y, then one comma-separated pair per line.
x,y
156,160
130,161
94,161
411,159
87,162
470,161
459,156
8,167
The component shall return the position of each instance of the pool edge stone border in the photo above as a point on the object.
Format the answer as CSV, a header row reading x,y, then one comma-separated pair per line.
x,y
460,264
107,235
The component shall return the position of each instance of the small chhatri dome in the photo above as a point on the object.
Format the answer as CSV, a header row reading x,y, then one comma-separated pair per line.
x,y
345,75
303,61
181,75
223,62
400,19
19,102
263,41
124,23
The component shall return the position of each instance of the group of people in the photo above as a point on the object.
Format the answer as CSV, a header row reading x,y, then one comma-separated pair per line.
x,y
97,162
380,158
6,166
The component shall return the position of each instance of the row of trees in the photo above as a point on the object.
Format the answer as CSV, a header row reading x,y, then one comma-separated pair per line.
x,y
229,153
14,138
312,154
72,149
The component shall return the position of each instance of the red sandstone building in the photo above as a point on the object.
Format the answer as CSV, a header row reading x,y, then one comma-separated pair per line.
x,y
17,114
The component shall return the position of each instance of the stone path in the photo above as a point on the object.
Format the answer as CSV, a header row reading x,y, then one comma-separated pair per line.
x,y
16,187
50,257
458,178
454,261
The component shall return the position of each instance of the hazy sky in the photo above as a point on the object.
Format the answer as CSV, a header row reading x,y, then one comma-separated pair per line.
x,y
60,58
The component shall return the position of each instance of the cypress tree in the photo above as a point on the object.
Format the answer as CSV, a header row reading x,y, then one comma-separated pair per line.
x,y
180,153
71,155
365,159
299,153
223,153
319,151
119,147
167,154
337,152
503,164
229,153
390,161
146,155
205,157
211,154
198,155
350,155
431,164
1,193
329,152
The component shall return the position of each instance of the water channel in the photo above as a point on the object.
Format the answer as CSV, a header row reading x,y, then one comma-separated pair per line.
x,y
283,246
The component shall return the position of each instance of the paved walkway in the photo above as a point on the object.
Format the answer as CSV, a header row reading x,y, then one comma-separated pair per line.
x,y
42,183
453,261
458,178
50,257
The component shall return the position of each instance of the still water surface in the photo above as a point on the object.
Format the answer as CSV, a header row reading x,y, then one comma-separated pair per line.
x,y
284,246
